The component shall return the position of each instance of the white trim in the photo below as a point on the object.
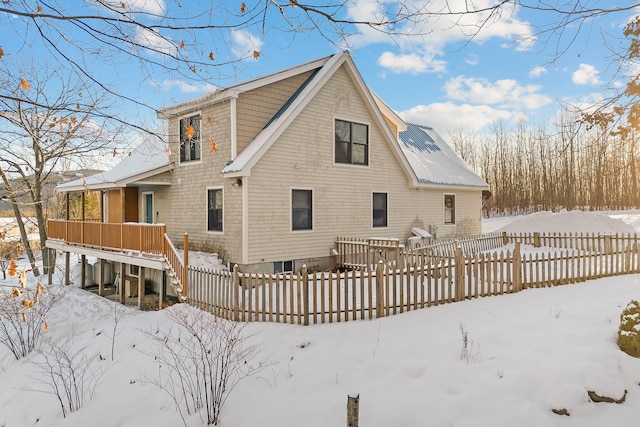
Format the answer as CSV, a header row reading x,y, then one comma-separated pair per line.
x,y
387,210
368,125
206,211
245,220
313,208
234,126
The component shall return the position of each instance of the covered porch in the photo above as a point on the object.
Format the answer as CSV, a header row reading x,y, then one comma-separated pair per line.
x,y
111,218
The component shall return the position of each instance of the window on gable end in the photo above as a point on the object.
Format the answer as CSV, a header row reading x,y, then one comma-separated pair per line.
x,y
351,143
190,138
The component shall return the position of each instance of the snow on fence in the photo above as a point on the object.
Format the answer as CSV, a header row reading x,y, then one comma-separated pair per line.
x,y
406,283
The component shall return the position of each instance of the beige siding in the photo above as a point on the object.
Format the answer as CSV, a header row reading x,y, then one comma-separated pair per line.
x,y
303,158
256,107
188,193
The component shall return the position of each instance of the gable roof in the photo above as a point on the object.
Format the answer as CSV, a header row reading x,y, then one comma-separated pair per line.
x,y
146,160
434,161
242,164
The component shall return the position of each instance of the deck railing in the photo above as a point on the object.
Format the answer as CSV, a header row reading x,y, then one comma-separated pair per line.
x,y
119,237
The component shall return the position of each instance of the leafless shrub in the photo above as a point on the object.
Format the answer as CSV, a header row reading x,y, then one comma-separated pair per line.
x,y
470,353
201,360
9,250
69,374
23,314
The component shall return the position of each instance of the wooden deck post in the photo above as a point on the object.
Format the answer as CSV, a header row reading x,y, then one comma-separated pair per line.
x,y
185,273
305,295
101,278
83,270
163,284
121,294
141,287
353,410
67,267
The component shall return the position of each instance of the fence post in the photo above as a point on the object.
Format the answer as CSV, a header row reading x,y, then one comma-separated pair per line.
x,y
505,239
380,289
608,246
536,240
353,403
459,263
236,293
517,268
305,295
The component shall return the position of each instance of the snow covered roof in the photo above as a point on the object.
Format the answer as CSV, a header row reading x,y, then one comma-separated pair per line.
x,y
434,161
146,160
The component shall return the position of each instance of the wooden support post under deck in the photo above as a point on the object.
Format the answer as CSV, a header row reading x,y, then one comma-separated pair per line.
x,y
51,265
101,279
121,284
83,271
140,287
161,290
67,267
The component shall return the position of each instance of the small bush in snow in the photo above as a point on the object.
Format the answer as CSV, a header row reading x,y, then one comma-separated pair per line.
x,y
629,330
23,313
69,373
201,360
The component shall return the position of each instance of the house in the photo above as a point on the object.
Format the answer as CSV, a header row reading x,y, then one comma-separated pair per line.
x,y
269,172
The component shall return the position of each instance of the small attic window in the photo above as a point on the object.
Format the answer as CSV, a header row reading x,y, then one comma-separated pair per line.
x,y
190,138
352,143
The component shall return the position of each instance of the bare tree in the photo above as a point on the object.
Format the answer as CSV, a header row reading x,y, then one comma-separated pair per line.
x,y
191,39
52,118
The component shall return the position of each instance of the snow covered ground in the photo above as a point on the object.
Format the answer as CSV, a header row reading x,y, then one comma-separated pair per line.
x,y
528,353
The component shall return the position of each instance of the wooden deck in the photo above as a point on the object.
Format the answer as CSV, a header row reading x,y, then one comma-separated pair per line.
x,y
115,237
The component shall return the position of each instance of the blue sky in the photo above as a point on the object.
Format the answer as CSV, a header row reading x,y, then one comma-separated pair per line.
x,y
443,79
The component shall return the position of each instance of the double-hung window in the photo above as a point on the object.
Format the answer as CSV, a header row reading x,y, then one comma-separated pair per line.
x,y
190,138
351,143
214,209
301,210
379,209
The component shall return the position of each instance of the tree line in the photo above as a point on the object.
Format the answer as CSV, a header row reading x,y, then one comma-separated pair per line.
x,y
565,165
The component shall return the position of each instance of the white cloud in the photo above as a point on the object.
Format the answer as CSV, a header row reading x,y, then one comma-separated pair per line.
x,y
449,116
155,41
154,7
244,43
426,36
506,93
537,71
183,86
410,63
586,75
